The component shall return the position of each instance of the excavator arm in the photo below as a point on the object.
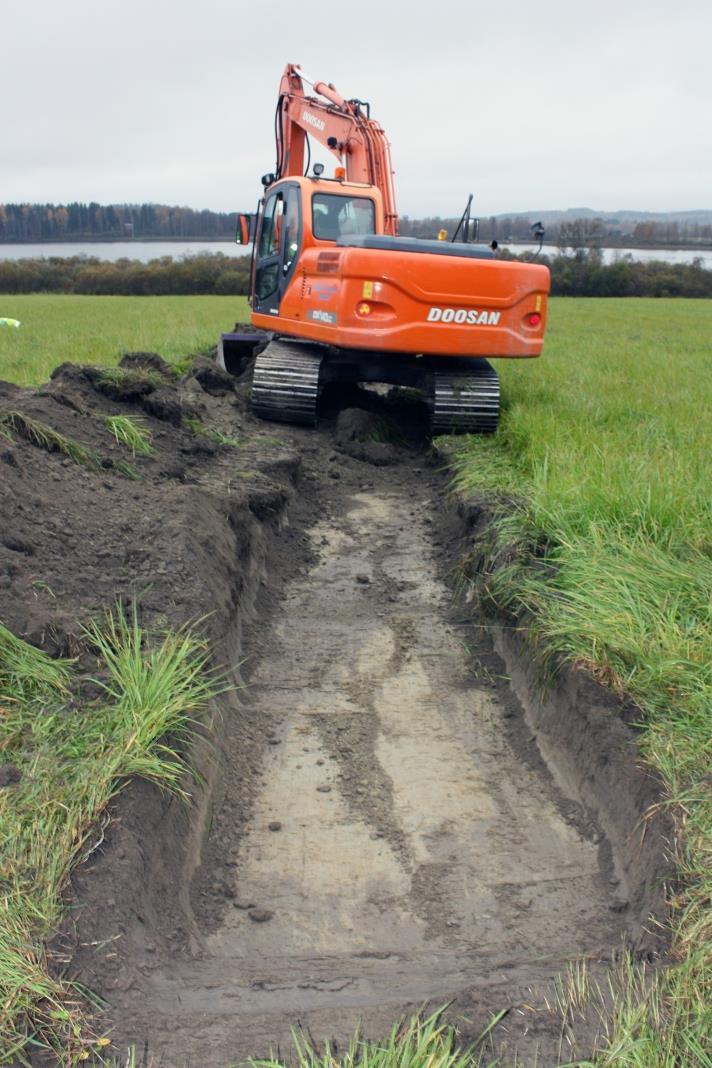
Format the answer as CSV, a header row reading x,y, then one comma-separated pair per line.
x,y
342,126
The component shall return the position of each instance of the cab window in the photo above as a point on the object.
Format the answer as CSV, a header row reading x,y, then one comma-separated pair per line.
x,y
271,227
267,275
338,216
291,228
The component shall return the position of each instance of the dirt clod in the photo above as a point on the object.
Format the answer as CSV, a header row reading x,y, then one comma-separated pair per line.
x,y
366,436
147,361
212,378
9,775
166,404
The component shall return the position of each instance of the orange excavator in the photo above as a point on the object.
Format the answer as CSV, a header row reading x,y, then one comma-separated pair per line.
x,y
337,295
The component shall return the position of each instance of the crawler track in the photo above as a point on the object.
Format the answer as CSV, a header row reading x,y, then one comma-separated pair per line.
x,y
285,388
285,383
466,402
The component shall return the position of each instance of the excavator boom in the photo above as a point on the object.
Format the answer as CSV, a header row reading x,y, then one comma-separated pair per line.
x,y
344,127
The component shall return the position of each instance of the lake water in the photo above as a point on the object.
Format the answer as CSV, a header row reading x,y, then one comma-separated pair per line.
x,y
153,250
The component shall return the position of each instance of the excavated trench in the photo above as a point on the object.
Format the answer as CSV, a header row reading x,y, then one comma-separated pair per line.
x,y
390,814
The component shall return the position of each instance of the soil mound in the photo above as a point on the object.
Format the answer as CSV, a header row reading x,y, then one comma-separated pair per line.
x,y
367,436
88,519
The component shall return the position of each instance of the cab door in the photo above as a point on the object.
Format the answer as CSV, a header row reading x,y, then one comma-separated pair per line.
x,y
278,246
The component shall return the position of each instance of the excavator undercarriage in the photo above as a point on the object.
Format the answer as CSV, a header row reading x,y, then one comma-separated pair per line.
x,y
289,376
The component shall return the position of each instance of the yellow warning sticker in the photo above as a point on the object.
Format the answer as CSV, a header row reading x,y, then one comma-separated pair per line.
x,y
538,304
367,290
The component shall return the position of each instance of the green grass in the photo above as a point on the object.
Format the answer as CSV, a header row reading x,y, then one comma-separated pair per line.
x,y
420,1042
111,379
71,757
199,430
642,1027
603,464
98,330
129,431
46,437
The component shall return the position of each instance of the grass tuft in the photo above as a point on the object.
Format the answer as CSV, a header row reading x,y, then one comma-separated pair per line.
x,y
153,690
130,431
125,377
126,470
71,758
26,673
45,437
421,1042
640,1027
198,429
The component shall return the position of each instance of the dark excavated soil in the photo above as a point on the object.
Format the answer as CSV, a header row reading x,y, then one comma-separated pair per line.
x,y
74,540
389,814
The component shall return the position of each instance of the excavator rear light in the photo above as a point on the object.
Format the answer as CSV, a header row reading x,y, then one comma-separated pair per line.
x,y
533,319
340,173
377,311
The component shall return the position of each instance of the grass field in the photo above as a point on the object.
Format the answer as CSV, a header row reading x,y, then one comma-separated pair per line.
x,y
99,330
606,443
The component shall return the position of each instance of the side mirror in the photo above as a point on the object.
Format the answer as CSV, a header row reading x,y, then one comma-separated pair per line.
x,y
245,234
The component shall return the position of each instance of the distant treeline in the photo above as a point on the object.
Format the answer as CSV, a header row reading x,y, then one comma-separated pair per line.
x,y
572,234
87,222
582,274
110,222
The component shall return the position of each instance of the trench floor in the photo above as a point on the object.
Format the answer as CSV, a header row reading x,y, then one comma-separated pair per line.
x,y
400,849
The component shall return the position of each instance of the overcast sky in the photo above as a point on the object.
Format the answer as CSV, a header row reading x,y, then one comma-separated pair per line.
x,y
529,105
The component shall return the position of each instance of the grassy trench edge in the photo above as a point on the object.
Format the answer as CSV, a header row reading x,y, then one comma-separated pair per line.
x,y
549,584
69,757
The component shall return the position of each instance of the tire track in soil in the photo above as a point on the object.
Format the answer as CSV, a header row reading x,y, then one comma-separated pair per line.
x,y
401,848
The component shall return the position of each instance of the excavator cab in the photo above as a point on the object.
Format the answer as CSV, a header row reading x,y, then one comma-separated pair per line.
x,y
296,215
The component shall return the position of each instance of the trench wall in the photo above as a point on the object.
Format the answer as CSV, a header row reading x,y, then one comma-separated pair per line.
x,y
587,737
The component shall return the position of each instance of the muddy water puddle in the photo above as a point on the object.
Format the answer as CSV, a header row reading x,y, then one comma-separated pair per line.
x,y
398,851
